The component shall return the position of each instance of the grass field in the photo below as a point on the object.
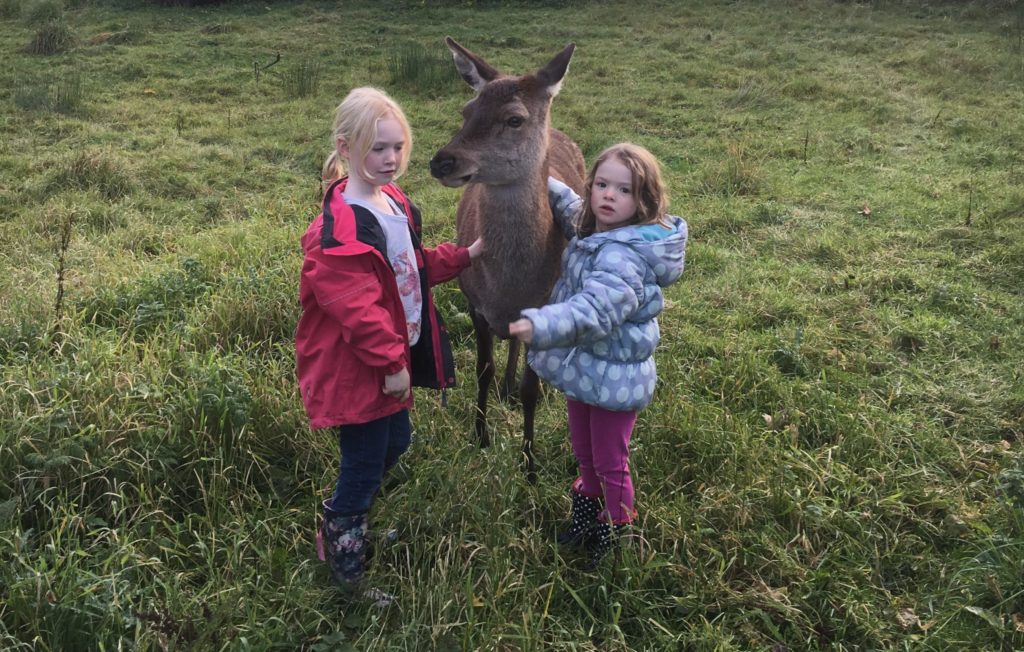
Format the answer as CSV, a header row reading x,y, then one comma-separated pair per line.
x,y
835,456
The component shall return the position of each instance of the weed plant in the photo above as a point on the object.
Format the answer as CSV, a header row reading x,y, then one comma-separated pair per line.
x,y
833,459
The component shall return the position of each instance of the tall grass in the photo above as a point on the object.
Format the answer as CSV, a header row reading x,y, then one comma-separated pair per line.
x,y
418,68
303,79
62,95
32,95
11,8
51,37
833,459
44,11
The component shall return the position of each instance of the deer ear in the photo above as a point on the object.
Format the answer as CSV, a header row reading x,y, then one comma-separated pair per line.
x,y
473,69
552,74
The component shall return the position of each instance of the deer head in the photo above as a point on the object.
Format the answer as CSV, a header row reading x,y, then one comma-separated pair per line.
x,y
504,134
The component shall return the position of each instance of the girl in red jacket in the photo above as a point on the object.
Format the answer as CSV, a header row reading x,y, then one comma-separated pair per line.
x,y
369,329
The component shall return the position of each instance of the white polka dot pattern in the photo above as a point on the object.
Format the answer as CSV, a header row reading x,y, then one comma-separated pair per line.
x,y
596,339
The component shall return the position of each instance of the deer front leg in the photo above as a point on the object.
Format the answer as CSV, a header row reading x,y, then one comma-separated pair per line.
x,y
507,389
528,392
484,373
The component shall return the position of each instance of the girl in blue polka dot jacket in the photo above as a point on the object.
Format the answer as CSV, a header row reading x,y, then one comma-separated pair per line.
x,y
595,340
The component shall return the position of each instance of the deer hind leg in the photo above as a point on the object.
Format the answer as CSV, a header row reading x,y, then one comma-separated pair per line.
x,y
508,390
528,392
484,373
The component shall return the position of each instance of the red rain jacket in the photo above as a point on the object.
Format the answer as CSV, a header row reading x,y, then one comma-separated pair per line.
x,y
352,331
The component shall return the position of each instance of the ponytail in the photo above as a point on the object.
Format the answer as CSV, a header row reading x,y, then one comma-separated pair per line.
x,y
333,170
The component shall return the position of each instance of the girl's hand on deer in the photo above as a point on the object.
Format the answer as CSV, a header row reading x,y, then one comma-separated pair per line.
x,y
521,329
476,248
397,385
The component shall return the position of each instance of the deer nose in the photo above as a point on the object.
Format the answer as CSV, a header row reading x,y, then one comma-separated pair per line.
x,y
442,165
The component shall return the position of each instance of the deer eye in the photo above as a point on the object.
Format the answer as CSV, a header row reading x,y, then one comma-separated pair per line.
x,y
515,122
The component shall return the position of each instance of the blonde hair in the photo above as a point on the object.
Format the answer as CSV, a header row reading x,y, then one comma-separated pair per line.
x,y
356,120
648,187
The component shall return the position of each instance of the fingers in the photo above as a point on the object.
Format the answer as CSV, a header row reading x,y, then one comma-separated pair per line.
x,y
401,393
397,385
401,390
521,329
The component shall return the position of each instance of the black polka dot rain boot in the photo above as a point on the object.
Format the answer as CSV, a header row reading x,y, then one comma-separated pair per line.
x,y
602,539
584,516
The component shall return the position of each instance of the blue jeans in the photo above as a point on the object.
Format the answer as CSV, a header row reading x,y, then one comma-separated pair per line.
x,y
368,450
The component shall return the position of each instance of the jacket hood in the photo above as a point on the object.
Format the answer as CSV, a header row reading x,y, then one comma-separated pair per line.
x,y
663,248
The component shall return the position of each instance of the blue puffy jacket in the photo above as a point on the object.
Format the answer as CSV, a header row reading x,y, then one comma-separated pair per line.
x,y
595,341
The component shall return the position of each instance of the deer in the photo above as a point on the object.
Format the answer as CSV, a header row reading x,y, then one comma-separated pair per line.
x,y
503,155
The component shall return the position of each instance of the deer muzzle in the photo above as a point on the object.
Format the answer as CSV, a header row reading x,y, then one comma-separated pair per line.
x,y
450,170
442,165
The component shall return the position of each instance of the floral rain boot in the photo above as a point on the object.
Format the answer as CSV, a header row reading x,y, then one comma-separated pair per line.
x,y
341,542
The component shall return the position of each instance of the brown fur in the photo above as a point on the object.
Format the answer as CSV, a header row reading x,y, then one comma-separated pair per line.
x,y
506,202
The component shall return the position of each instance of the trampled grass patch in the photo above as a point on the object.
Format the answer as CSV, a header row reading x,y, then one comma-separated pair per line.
x,y
833,459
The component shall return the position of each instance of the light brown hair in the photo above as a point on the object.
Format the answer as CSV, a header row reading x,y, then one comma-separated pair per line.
x,y
648,187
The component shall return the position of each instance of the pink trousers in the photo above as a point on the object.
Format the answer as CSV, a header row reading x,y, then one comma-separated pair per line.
x,y
600,441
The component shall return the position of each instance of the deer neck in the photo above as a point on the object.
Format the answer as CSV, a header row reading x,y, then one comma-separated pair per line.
x,y
518,222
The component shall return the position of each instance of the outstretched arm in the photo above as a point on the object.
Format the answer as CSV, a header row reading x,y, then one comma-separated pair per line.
x,y
609,295
566,206
445,261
